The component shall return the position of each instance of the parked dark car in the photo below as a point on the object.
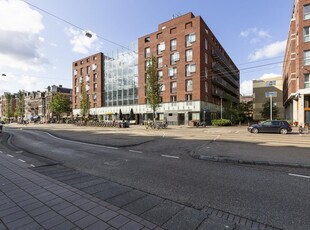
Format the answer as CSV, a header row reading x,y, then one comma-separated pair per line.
x,y
276,126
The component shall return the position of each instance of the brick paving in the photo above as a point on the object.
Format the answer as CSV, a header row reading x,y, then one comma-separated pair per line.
x,y
31,200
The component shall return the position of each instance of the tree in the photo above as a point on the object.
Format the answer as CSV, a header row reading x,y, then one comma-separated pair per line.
x,y
245,111
59,104
20,105
84,103
153,87
266,110
8,106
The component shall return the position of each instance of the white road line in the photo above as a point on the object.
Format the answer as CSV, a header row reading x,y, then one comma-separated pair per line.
x,y
170,156
9,155
19,151
297,175
32,165
135,151
22,160
103,146
1,152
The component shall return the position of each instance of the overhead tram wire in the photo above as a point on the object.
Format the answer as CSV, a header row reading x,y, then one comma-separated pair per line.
x,y
78,27
107,40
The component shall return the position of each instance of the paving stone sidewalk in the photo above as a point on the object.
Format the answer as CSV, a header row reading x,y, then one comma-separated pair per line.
x,y
30,200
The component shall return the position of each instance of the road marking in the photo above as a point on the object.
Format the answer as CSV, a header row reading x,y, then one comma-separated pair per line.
x,y
170,156
1,152
297,175
32,165
22,160
135,151
58,138
9,155
19,152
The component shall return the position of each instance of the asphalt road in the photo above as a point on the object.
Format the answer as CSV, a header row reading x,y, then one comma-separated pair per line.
x,y
267,195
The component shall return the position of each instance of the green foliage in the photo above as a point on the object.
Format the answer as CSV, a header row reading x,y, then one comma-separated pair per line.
x,y
60,104
221,122
20,105
84,103
153,87
8,105
266,111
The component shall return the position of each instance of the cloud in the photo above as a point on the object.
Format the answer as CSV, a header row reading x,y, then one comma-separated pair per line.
x,y
20,40
255,35
272,50
269,75
80,42
23,82
246,87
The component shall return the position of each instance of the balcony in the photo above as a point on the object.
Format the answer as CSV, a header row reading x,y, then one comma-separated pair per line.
x,y
218,80
224,95
217,56
216,67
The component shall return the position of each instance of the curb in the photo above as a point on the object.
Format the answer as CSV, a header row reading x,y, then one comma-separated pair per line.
x,y
246,162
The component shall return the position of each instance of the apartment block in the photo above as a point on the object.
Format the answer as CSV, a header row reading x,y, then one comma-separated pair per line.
x,y
296,65
265,90
88,72
198,77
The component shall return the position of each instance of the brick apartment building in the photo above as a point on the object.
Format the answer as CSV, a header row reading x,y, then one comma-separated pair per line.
x,y
296,66
88,71
198,76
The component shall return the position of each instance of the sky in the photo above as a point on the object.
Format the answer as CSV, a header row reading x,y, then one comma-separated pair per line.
x,y
37,49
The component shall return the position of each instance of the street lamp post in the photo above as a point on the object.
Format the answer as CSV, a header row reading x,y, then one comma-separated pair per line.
x,y
221,108
270,106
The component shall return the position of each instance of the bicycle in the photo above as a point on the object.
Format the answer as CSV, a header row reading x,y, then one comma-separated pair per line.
x,y
302,130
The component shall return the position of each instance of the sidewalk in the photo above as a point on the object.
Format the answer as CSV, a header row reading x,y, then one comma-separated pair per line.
x,y
29,200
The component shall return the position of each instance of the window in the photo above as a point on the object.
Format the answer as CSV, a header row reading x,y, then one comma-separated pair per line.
x,y
206,72
173,98
206,58
82,71
75,81
159,35
173,44
147,39
161,47
189,55
163,88
95,87
306,34
306,12
160,62
87,60
94,67
75,72
188,97
272,94
270,83
174,58
87,78
307,57
173,87
189,85
160,75
172,72
147,64
94,58
81,62
95,77
190,69
307,80
189,39
147,52
206,87
206,44
88,70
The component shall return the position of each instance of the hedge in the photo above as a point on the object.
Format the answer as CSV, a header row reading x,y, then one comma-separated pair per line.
x,y
221,122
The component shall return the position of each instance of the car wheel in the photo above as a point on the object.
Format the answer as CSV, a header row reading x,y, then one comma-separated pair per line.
x,y
254,130
283,131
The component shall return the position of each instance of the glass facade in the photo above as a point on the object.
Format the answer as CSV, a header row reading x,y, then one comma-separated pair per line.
x,y
121,78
